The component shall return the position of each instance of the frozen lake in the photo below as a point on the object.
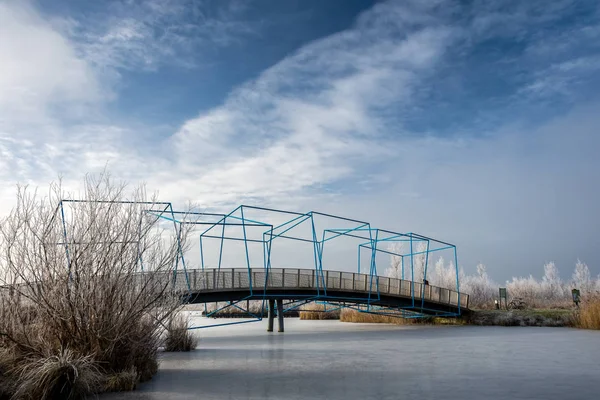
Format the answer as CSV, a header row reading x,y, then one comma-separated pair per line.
x,y
335,360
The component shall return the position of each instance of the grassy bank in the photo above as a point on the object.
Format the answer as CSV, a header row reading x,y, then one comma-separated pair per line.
x,y
588,317
549,318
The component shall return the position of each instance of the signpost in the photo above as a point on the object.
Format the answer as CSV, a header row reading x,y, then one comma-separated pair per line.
x,y
503,295
576,296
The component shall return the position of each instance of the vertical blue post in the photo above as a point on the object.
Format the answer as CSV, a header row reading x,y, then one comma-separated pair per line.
x,y
457,283
264,250
318,264
321,249
412,271
201,254
269,245
425,275
224,221
246,247
426,261
373,267
402,264
202,266
179,252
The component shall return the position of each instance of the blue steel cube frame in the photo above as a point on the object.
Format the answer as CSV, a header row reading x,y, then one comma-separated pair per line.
x,y
370,239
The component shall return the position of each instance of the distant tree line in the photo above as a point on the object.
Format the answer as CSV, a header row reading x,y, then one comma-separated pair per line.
x,y
549,292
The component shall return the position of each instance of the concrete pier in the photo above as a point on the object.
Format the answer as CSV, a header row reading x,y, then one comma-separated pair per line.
x,y
271,316
280,314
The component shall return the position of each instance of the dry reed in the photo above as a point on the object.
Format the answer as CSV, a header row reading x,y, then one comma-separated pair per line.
x,y
589,313
315,311
396,318
61,376
350,315
121,381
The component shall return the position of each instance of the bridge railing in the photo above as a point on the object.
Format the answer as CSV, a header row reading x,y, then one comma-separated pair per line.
x,y
288,278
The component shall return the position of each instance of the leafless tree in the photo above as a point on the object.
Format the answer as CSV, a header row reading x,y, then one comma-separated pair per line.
x,y
91,278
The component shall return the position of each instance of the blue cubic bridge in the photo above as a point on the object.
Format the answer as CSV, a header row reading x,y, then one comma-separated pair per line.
x,y
254,237
263,229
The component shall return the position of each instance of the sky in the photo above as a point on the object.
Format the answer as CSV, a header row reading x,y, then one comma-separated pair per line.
x,y
474,122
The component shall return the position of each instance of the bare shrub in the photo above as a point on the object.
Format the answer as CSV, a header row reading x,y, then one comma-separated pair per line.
x,y
71,278
178,337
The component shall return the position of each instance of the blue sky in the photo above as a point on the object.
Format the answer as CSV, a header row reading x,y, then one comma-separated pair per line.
x,y
475,122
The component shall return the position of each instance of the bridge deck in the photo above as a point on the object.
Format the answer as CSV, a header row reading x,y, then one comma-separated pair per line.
x,y
212,285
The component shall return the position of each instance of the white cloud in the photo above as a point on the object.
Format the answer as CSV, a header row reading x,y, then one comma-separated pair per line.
x,y
324,128
39,70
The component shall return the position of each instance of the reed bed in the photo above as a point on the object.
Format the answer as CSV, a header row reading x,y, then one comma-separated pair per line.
x,y
178,337
589,314
314,311
350,315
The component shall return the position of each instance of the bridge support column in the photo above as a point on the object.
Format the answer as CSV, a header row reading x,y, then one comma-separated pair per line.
x,y
271,316
280,314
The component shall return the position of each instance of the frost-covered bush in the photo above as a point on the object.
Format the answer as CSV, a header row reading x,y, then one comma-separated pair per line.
x,y
548,292
481,289
528,289
398,266
395,269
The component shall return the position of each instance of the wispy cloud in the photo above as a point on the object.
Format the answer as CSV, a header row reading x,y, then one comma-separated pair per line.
x,y
135,35
422,111
314,118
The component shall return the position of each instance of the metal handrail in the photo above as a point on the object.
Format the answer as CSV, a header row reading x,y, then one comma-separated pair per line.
x,y
310,279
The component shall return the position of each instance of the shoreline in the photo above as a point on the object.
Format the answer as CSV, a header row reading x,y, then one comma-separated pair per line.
x,y
534,317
